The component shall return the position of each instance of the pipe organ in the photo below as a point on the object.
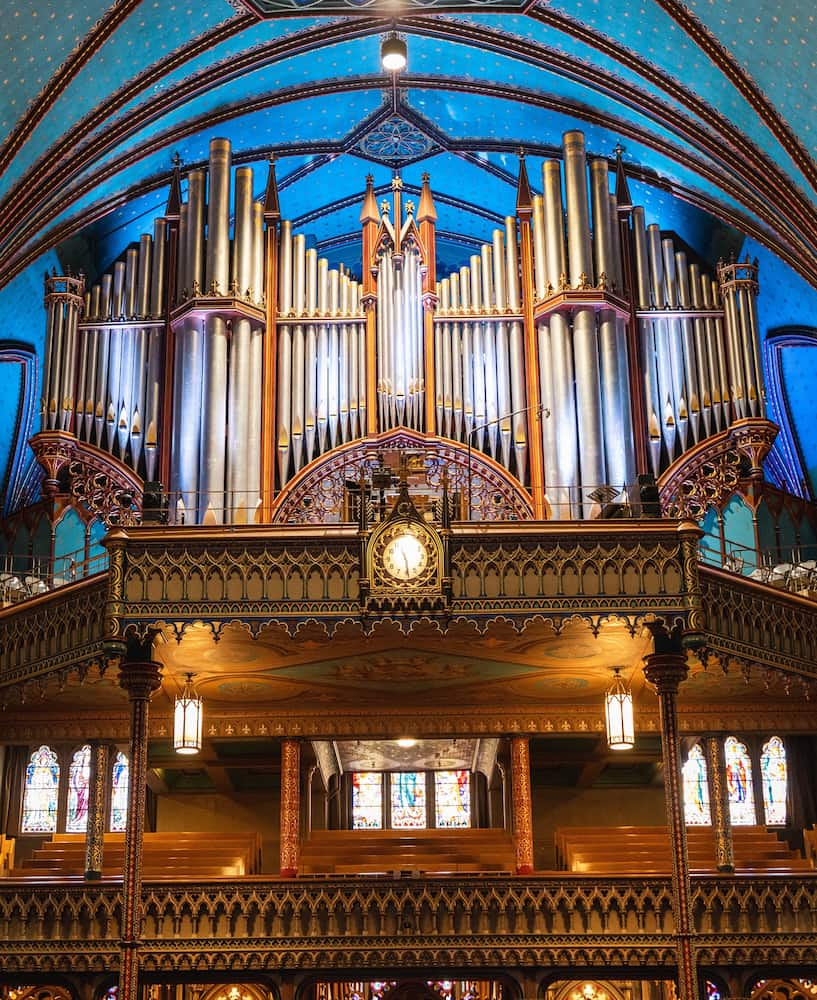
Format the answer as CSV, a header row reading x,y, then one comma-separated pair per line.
x,y
223,354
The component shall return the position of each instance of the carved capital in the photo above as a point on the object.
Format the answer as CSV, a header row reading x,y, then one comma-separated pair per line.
x,y
665,671
140,680
754,439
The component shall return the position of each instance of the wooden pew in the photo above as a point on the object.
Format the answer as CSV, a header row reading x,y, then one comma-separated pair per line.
x,y
164,855
647,851
327,852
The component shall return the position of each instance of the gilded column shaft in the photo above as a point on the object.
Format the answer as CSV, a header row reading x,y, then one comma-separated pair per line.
x,y
719,804
95,830
140,680
290,807
522,810
665,671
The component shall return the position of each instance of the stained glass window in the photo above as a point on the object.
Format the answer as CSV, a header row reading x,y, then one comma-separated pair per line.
x,y
452,798
41,791
739,783
408,800
119,794
773,772
712,991
367,800
79,786
696,789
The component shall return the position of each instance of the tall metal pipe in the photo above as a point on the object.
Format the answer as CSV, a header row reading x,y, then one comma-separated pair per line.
x,y
585,341
214,402
616,444
565,478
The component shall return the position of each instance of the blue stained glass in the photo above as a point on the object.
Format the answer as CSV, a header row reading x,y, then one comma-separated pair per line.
x,y
408,800
119,794
696,789
41,791
774,773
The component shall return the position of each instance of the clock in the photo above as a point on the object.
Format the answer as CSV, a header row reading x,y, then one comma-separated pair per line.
x,y
405,556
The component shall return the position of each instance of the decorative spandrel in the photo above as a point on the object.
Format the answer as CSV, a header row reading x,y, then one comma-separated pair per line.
x,y
327,8
395,141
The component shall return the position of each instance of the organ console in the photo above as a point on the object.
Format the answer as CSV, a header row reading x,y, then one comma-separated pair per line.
x,y
673,359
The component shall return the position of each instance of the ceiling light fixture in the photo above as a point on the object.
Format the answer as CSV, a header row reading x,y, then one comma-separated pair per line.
x,y
618,705
406,741
393,53
187,720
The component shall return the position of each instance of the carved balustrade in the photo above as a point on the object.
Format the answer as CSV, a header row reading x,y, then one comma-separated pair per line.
x,y
522,572
754,623
54,633
373,923
295,574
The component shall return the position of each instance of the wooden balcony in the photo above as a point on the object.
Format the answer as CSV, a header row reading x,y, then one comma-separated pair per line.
x,y
361,923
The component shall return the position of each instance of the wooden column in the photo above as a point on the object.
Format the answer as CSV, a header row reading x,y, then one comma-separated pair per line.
x,y
140,678
521,804
524,211
719,803
272,217
290,807
95,830
665,669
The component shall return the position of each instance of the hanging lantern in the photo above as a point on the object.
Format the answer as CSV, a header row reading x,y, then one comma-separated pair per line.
x,y
187,720
618,705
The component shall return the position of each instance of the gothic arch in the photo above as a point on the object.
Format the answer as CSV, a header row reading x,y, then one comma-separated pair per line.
x,y
316,494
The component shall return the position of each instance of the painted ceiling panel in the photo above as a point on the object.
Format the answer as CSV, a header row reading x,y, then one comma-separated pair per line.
x,y
35,39
656,38
775,43
149,34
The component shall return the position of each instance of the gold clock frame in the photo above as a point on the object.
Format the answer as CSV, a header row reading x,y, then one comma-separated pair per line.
x,y
404,520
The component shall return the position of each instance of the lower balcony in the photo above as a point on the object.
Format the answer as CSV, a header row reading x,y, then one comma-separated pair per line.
x,y
378,924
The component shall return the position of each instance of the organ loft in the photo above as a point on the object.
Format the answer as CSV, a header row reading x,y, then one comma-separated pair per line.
x,y
418,604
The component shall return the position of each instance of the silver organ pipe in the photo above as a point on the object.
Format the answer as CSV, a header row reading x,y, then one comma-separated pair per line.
x,y
321,375
585,334
155,351
738,289
238,389
617,442
561,482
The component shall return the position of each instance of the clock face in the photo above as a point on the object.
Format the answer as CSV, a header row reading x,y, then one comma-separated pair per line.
x,y
405,557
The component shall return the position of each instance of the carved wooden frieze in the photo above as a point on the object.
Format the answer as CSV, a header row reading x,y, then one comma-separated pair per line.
x,y
371,924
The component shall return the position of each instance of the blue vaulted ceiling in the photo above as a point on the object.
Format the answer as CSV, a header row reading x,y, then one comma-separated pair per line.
x,y
714,103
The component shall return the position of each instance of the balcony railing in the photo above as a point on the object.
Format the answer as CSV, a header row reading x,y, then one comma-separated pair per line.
x,y
376,923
